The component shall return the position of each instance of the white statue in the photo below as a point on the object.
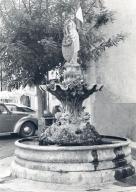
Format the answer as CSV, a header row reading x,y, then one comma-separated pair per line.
x,y
70,44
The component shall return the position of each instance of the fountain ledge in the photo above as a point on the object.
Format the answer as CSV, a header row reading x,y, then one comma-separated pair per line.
x,y
74,165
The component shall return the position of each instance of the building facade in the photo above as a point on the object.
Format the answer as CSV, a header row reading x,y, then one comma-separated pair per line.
x,y
115,106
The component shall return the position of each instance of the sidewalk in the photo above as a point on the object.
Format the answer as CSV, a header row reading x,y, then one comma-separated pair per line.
x,y
10,184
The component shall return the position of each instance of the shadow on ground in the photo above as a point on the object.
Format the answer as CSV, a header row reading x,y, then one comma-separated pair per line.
x,y
130,181
12,136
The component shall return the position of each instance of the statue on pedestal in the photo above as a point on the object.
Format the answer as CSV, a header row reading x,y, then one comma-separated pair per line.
x,y
70,48
73,126
70,44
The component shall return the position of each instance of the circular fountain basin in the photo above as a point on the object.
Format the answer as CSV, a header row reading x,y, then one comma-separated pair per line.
x,y
74,165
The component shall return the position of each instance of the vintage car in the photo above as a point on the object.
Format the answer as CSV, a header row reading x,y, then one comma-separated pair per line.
x,y
22,123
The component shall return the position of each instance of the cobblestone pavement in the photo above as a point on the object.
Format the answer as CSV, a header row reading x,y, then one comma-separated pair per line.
x,y
21,185
10,184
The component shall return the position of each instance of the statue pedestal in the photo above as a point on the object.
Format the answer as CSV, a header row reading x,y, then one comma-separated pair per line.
x,y
72,72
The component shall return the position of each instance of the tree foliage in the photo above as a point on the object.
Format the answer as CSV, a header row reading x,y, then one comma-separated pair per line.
x,y
32,32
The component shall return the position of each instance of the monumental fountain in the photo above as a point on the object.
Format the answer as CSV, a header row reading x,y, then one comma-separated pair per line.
x,y
71,151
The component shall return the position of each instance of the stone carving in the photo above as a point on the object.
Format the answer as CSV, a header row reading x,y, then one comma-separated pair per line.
x,y
70,44
70,48
73,126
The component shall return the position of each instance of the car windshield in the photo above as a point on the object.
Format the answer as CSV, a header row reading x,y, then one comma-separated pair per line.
x,y
2,109
25,109
12,107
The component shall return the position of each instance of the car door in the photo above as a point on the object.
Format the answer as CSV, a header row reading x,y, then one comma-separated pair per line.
x,y
15,116
8,119
5,120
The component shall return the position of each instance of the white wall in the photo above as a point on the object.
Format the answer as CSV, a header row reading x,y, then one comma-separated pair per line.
x,y
115,107
117,68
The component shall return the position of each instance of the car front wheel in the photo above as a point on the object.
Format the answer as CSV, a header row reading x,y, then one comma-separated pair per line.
x,y
27,130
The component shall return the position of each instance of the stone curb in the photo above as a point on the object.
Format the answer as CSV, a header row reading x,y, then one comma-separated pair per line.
x,y
9,184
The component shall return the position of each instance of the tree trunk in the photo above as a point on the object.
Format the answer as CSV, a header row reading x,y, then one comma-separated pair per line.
x,y
39,102
90,102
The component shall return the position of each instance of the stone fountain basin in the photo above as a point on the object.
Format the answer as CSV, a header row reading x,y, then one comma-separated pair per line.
x,y
74,165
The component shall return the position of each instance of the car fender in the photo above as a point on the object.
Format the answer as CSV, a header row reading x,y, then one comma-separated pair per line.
x,y
29,118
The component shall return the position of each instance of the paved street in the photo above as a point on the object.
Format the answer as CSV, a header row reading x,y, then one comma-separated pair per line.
x,y
7,145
